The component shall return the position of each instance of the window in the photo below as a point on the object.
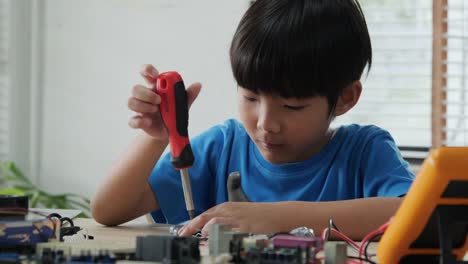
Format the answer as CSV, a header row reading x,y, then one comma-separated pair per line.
x,y
4,79
454,81
417,86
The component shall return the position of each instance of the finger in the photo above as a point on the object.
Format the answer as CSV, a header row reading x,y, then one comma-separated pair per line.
x,y
192,92
217,220
139,121
150,74
195,225
141,107
145,94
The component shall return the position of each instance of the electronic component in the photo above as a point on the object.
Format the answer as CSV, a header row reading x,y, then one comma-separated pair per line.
x,y
257,241
431,225
221,237
278,256
168,249
336,253
88,251
281,249
28,232
13,207
291,241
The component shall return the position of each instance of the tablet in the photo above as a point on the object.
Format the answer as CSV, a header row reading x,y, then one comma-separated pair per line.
x,y
431,225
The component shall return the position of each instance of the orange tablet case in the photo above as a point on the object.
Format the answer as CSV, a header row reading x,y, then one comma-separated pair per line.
x,y
436,203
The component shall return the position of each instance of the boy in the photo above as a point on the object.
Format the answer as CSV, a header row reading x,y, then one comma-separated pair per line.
x,y
297,65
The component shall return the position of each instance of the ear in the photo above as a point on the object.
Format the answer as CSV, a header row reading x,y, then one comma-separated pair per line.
x,y
348,98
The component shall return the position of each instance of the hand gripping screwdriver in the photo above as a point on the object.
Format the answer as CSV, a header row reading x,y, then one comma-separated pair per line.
x,y
174,112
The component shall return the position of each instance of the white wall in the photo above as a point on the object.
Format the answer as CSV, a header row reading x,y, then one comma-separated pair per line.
x,y
93,51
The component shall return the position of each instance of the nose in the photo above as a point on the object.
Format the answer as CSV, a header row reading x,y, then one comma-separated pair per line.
x,y
268,121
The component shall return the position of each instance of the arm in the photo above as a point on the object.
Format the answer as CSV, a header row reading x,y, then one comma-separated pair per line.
x,y
126,193
355,218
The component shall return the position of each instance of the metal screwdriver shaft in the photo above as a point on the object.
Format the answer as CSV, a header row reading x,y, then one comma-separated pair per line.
x,y
187,192
174,112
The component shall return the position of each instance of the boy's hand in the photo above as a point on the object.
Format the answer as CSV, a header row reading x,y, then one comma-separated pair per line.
x,y
145,102
257,218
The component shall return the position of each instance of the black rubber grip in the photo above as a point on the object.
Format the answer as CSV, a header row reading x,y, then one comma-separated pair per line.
x,y
185,159
181,109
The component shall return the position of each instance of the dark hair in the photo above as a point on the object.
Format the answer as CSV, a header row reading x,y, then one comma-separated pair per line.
x,y
301,48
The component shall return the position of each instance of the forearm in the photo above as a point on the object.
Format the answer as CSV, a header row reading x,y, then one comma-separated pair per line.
x,y
355,218
122,195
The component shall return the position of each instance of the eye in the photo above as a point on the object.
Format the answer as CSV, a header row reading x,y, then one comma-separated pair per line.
x,y
294,108
250,99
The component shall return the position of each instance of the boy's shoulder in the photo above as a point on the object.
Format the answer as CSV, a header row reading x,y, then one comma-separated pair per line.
x,y
362,130
355,134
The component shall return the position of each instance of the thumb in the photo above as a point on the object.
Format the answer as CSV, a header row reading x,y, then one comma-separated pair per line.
x,y
192,92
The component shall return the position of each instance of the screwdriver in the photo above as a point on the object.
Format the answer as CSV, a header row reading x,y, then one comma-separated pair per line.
x,y
174,112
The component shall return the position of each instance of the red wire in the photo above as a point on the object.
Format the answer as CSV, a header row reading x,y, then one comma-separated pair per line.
x,y
342,236
379,230
359,247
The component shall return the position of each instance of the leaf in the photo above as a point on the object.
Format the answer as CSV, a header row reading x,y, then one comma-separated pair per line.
x,y
23,186
80,204
11,191
11,173
83,215
77,196
6,169
60,203
19,173
34,199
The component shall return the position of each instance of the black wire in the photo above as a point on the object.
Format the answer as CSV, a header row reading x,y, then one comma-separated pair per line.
x,y
54,215
333,224
362,259
64,231
378,235
270,236
330,225
68,220
328,234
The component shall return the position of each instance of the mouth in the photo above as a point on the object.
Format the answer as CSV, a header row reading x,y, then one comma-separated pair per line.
x,y
270,146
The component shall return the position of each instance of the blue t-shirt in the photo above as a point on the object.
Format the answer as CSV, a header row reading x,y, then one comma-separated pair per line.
x,y
358,162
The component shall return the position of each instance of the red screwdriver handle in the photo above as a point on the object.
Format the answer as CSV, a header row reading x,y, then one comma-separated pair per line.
x,y
174,112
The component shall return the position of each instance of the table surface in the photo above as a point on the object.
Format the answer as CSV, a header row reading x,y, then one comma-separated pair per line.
x,y
125,233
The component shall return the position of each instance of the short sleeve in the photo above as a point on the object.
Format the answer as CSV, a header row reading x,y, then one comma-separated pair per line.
x,y
385,172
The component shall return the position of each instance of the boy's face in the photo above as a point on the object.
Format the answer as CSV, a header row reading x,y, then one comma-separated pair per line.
x,y
285,130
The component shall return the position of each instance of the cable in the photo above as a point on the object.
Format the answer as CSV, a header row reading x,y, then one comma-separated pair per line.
x,y
366,256
379,230
362,259
68,220
66,230
348,240
333,224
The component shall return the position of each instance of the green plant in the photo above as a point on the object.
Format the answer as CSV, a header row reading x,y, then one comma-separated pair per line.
x,y
16,183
